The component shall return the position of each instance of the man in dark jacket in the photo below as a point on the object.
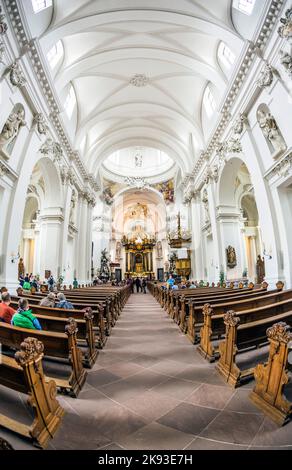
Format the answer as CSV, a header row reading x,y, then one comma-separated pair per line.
x,y
138,284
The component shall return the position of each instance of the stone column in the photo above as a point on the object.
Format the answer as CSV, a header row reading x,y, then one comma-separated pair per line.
x,y
196,247
51,220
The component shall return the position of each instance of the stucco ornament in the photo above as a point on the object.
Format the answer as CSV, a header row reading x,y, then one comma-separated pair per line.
x,y
3,25
16,75
139,80
266,77
40,123
286,61
285,31
12,126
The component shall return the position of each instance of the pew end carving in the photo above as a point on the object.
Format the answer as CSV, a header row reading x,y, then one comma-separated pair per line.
x,y
272,377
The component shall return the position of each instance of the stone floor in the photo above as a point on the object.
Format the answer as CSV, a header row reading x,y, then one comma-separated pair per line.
x,y
150,389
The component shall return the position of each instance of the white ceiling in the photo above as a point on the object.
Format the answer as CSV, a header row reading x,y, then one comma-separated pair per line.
x,y
173,43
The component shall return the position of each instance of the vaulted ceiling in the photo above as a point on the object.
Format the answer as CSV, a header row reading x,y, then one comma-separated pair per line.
x,y
139,69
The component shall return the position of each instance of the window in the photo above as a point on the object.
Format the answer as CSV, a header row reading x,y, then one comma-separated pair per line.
x,y
225,55
209,101
70,102
245,6
55,54
39,5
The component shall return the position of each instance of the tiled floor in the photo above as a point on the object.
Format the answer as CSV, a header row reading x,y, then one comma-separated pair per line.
x,y
150,389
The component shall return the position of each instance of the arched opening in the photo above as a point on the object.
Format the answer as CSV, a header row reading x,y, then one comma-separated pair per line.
x,y
29,233
238,221
41,224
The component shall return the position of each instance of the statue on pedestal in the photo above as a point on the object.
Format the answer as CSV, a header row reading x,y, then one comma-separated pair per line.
x,y
231,257
260,269
20,268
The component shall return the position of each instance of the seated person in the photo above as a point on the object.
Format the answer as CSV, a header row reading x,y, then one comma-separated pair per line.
x,y
175,287
24,318
48,301
192,286
6,312
63,303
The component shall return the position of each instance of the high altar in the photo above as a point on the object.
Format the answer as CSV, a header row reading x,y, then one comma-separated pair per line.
x,y
139,255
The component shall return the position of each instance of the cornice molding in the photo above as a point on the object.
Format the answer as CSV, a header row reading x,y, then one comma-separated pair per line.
x,y
32,49
253,49
282,168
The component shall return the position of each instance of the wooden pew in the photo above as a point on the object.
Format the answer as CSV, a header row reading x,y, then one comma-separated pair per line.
x,y
56,345
179,299
93,323
5,445
272,377
99,309
240,337
238,303
24,373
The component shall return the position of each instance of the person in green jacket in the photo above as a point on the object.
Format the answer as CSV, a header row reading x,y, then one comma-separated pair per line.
x,y
24,317
75,283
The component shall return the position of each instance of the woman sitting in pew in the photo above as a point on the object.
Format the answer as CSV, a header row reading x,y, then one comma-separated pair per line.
x,y
63,303
48,301
24,318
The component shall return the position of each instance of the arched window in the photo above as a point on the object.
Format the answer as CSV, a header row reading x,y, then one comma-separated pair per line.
x,y
225,55
245,6
70,102
55,54
209,102
39,5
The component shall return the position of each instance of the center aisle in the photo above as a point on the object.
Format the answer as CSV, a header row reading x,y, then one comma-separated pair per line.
x,y
150,389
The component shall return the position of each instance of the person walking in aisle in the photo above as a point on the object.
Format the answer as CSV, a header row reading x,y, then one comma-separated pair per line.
x,y
138,284
144,283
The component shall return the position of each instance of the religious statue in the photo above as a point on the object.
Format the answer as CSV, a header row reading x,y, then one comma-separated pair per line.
x,y
206,206
20,268
118,251
172,263
12,126
260,269
271,130
159,250
72,208
231,257
104,265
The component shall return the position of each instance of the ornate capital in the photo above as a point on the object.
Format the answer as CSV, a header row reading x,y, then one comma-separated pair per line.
x,y
52,148
30,350
280,332
16,75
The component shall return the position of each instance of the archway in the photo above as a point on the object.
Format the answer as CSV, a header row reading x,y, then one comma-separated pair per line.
x,y
238,220
42,218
